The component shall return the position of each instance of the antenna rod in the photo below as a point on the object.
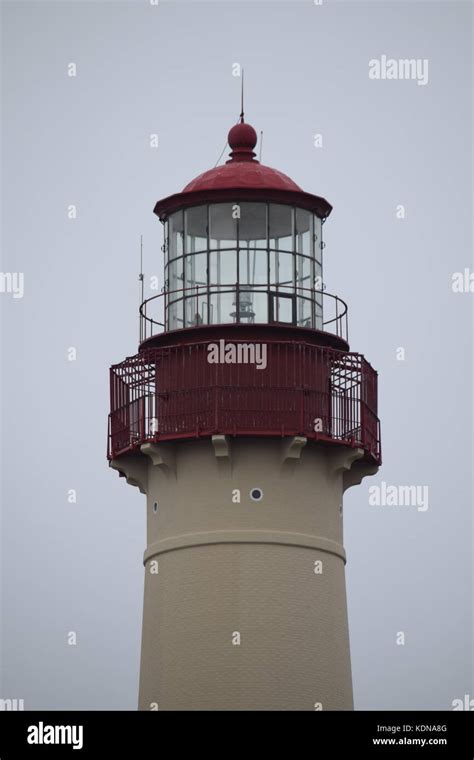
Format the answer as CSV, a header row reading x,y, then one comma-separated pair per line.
x,y
242,99
261,144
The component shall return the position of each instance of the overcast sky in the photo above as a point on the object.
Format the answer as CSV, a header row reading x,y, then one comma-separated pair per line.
x,y
85,141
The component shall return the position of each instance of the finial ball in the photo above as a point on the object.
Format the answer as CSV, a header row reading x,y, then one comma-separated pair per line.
x,y
242,136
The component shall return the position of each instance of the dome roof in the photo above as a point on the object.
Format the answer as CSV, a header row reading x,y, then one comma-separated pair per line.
x,y
242,170
240,174
242,177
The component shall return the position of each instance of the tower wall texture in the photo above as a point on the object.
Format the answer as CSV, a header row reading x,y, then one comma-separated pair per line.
x,y
245,601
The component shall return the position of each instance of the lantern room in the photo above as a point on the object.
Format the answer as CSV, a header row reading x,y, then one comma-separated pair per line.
x,y
243,262
243,245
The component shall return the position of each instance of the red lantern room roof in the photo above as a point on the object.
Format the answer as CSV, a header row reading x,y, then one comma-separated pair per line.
x,y
242,178
242,169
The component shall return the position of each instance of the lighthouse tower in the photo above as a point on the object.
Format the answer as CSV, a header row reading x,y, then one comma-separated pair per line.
x,y
244,417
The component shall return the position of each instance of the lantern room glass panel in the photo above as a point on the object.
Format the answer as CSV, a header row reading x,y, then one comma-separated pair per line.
x,y
196,229
223,226
318,308
195,267
253,267
317,237
175,276
175,311
281,227
222,306
304,232
175,235
223,268
223,263
281,269
253,244
318,254
252,225
253,306
244,262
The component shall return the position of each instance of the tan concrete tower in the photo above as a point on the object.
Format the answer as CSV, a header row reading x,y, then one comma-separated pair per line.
x,y
243,418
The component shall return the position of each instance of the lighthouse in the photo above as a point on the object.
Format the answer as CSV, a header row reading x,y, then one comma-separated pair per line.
x,y
243,419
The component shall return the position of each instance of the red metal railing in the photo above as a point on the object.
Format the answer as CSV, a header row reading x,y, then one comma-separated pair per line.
x,y
173,392
322,310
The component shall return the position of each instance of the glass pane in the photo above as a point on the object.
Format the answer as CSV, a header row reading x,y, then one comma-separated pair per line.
x,y
319,315
281,227
229,306
253,225
223,225
317,238
196,271
303,231
215,316
282,309
303,310
259,307
175,315
189,311
304,266
196,309
246,309
318,276
175,275
204,308
223,266
176,235
252,267
166,239
222,307
196,229
281,268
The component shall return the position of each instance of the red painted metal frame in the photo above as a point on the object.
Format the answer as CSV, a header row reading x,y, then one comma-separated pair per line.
x,y
314,203
172,392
